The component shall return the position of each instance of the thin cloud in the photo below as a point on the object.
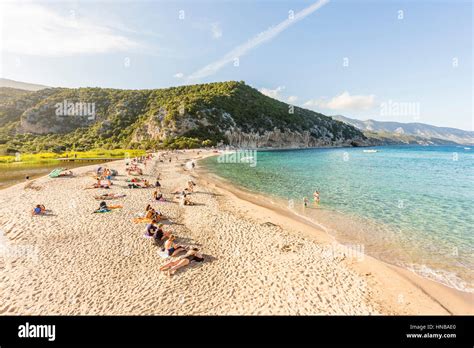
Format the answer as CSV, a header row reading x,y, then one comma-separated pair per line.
x,y
277,93
344,101
216,30
39,31
256,41
179,75
292,99
272,93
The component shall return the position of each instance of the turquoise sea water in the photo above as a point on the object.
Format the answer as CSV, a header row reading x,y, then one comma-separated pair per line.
x,y
408,205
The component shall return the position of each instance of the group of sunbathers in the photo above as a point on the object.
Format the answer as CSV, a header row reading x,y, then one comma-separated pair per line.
x,y
103,178
183,195
139,183
166,241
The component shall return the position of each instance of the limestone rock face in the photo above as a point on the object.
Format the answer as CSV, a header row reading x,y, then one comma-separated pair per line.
x,y
286,139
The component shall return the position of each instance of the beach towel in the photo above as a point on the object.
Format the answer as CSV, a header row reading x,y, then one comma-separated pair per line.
x,y
141,219
163,254
102,211
55,172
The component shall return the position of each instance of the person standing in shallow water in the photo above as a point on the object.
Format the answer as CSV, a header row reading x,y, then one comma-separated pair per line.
x,y
316,198
305,202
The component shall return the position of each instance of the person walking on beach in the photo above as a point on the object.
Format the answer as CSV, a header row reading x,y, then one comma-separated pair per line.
x,y
316,198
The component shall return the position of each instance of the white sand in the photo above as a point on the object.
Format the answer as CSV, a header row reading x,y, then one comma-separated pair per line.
x,y
81,263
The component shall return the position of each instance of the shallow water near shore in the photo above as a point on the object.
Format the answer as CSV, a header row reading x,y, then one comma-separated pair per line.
x,y
407,205
14,173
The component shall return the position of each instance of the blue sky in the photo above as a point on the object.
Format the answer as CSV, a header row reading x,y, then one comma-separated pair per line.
x,y
407,61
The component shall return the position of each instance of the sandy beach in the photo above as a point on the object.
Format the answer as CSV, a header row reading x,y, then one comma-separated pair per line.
x,y
259,259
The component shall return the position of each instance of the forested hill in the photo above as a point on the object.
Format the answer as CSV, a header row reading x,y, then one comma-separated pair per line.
x,y
58,119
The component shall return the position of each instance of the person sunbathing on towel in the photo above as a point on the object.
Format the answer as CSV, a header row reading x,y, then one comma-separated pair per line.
x,y
65,173
191,255
108,196
103,207
134,185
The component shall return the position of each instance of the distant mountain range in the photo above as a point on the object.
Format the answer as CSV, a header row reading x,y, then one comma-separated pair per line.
x,y
20,85
421,133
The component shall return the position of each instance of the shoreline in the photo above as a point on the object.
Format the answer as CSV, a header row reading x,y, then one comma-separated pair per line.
x,y
258,262
452,300
42,170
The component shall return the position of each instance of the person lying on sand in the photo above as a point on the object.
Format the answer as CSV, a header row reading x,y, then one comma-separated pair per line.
x,y
134,180
106,196
65,173
134,171
103,207
39,210
191,255
100,184
172,248
134,186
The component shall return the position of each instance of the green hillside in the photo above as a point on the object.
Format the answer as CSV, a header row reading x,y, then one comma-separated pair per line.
x,y
178,117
